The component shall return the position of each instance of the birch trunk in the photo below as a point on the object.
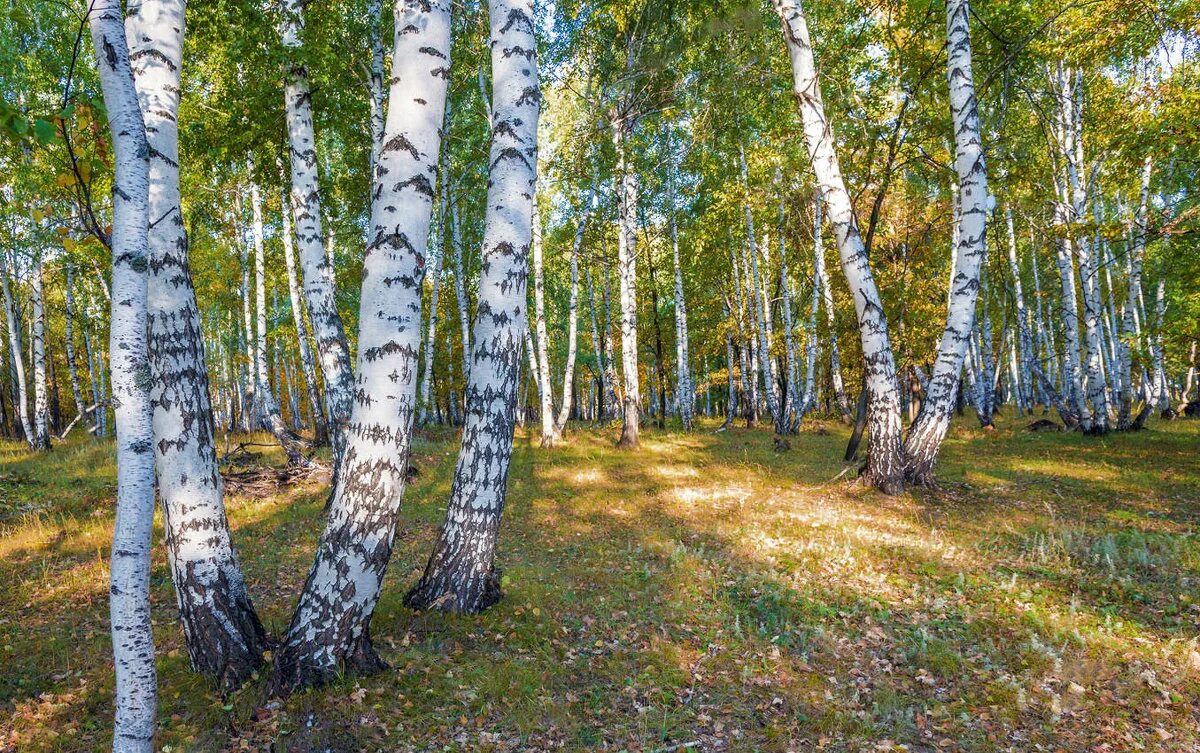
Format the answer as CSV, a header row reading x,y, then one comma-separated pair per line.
x,y
758,306
1129,323
835,363
460,290
549,427
572,320
222,633
597,348
685,392
320,434
809,398
136,696
14,349
627,205
100,417
329,333
1162,397
268,405
425,413
69,337
610,397
331,625
885,460
41,388
926,435
461,575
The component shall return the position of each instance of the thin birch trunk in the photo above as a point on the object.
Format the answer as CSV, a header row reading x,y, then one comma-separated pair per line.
x,y
754,281
329,333
434,275
685,391
808,396
136,696
303,334
460,290
69,327
597,346
14,349
331,625
925,437
461,575
573,317
885,460
1129,321
268,405
41,388
542,339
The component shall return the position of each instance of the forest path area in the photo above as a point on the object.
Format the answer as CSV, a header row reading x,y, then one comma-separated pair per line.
x,y
703,593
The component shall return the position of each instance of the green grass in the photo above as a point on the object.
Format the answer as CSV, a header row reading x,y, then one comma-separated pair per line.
x,y
703,589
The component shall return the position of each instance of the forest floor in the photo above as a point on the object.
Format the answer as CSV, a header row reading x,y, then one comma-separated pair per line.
x,y
703,593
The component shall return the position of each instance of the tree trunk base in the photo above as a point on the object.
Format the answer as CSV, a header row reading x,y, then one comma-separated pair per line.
x,y
455,593
297,668
224,638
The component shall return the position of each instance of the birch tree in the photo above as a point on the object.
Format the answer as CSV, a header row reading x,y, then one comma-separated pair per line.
x,y
926,435
885,459
136,697
461,575
222,632
330,627
301,324
41,390
329,333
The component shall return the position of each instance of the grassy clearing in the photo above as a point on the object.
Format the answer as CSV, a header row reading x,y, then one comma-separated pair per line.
x,y
703,590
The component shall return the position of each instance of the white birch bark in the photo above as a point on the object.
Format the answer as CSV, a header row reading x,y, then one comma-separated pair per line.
x,y
129,585
268,404
541,337
685,391
564,410
331,625
69,327
330,335
461,575
597,346
41,389
758,305
885,460
925,437
1129,320
822,275
14,349
222,633
808,396
302,331
434,274
100,417
375,88
460,290
1161,392
610,395
627,205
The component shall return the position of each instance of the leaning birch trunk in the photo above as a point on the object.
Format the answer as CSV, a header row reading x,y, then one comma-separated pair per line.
x,y
627,205
320,434
885,458
926,435
69,327
14,349
329,333
564,411
268,405
461,575
222,632
41,390
331,625
1129,328
542,338
136,697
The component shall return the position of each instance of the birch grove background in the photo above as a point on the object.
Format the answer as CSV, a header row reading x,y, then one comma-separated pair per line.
x,y
613,375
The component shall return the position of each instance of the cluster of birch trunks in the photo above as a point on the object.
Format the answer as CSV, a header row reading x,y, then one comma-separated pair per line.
x,y
171,377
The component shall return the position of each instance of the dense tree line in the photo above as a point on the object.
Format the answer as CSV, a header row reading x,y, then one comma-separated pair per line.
x,y
630,213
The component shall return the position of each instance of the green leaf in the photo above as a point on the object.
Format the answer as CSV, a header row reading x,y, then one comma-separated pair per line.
x,y
45,131
19,126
